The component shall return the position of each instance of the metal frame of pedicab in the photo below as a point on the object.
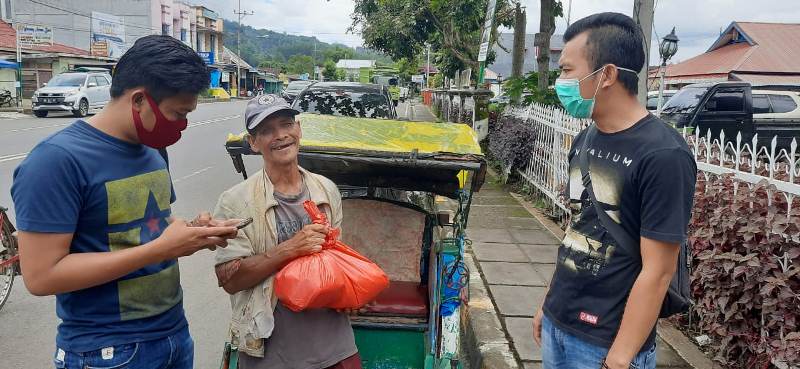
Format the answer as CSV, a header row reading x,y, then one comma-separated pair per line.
x,y
439,173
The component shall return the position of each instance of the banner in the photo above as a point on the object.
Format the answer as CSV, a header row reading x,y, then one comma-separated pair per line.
x,y
35,35
207,57
487,30
99,48
111,29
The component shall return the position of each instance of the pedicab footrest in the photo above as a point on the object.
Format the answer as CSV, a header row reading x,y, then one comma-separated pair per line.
x,y
401,299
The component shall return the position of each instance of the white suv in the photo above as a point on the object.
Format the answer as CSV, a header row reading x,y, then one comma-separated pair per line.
x,y
78,92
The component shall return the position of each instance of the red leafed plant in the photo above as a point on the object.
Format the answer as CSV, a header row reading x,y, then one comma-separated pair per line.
x,y
746,276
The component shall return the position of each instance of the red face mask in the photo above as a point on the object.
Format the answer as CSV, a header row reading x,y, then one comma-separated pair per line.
x,y
165,132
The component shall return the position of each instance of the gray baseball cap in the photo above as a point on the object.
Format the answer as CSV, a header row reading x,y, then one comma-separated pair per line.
x,y
260,108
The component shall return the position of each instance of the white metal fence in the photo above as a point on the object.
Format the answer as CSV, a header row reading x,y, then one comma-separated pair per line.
x,y
554,130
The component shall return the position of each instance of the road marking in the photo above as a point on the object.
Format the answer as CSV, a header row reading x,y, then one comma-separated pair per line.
x,y
215,120
23,155
192,175
13,157
35,128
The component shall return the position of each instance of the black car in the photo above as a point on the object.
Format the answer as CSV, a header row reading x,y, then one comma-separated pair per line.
x,y
350,99
294,88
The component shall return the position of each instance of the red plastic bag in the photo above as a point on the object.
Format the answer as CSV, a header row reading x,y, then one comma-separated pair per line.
x,y
337,277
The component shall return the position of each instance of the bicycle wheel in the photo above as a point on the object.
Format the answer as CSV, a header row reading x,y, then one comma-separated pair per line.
x,y
9,250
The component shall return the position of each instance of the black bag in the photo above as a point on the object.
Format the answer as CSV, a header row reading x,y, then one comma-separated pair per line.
x,y
678,298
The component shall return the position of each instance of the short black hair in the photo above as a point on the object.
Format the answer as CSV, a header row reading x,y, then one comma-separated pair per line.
x,y
163,65
613,38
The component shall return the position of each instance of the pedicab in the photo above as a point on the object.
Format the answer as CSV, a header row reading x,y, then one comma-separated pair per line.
x,y
406,193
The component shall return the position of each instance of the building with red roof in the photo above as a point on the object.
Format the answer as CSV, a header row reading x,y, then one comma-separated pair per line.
x,y
759,53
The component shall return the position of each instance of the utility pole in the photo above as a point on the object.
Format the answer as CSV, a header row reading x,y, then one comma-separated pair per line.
x,y
240,13
314,60
428,67
518,57
643,16
569,12
19,66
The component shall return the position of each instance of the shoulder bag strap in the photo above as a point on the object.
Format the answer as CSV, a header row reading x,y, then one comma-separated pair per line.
x,y
617,232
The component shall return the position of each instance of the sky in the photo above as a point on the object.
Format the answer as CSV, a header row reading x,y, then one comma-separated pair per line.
x,y
697,22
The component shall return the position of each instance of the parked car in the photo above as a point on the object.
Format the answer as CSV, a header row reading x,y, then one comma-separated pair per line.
x,y
351,99
78,92
500,99
294,88
733,107
652,99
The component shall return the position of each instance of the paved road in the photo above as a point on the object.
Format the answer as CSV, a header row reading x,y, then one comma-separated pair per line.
x,y
201,170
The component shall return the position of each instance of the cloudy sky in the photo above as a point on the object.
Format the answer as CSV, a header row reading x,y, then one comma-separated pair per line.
x,y
697,22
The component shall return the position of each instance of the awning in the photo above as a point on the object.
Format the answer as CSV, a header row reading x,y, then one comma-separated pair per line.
x,y
7,64
767,79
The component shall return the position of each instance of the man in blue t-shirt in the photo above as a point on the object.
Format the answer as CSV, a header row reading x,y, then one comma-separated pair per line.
x,y
621,247
93,210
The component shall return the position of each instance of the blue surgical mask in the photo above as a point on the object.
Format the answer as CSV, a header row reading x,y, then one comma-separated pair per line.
x,y
569,93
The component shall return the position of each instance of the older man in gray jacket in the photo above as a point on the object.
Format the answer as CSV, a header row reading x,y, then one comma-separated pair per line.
x,y
268,334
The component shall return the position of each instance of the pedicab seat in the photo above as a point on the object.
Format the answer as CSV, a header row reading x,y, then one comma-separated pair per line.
x,y
401,299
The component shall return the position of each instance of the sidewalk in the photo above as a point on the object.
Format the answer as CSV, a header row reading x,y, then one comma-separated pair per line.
x,y
514,253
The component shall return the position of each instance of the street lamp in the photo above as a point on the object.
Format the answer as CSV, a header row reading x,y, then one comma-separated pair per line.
x,y
667,49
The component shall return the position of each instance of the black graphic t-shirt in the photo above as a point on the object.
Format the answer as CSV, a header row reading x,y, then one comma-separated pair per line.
x,y
644,178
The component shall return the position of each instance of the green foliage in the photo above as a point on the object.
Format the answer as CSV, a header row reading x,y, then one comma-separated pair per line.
x,y
330,70
400,28
299,64
407,67
526,89
268,48
337,53
437,81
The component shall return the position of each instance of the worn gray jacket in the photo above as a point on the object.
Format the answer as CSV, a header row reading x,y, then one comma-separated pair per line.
x,y
252,310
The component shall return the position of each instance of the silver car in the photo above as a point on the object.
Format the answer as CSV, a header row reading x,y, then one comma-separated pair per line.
x,y
81,93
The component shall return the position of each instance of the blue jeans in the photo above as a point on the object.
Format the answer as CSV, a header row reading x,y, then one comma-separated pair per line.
x,y
172,352
562,350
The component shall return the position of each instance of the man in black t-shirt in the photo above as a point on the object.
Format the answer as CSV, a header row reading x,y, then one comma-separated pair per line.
x,y
605,296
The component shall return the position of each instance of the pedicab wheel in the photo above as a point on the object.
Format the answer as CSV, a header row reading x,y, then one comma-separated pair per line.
x,y
7,272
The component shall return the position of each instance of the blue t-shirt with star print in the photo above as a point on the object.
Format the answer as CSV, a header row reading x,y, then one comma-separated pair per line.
x,y
111,195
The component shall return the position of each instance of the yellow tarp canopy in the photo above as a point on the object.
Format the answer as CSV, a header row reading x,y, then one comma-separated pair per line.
x,y
383,135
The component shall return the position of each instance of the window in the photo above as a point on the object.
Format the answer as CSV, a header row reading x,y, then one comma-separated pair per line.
x,y
165,29
761,104
213,47
652,103
183,35
782,103
101,81
726,101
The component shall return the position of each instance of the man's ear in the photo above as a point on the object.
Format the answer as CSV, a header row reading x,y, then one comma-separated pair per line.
x,y
610,74
299,127
137,99
251,139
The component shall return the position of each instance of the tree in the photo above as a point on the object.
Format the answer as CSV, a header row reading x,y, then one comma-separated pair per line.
x,y
407,67
400,28
330,70
550,9
337,53
299,64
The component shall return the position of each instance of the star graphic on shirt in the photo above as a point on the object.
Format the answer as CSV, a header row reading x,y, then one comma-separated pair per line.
x,y
154,220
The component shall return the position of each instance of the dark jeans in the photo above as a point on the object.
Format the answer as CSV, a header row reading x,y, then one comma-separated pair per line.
x,y
173,352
